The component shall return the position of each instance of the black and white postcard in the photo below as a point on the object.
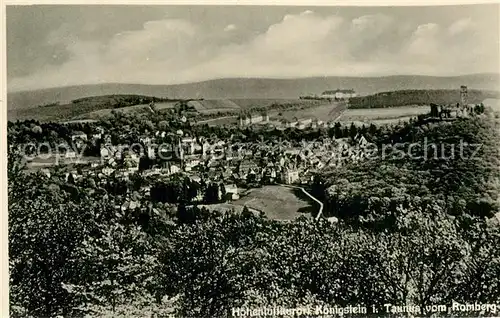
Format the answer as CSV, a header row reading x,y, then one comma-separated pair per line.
x,y
253,160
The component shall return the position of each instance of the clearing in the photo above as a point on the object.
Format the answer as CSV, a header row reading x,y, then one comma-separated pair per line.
x,y
277,202
382,115
325,112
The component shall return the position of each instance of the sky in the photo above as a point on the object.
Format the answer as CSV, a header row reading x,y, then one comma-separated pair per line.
x,y
52,46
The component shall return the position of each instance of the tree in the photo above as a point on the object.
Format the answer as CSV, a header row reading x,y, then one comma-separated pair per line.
x,y
71,179
42,251
222,190
163,125
37,130
117,264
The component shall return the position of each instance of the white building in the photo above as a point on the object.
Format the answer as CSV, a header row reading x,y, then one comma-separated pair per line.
x,y
174,169
338,94
81,136
105,152
233,190
253,119
70,154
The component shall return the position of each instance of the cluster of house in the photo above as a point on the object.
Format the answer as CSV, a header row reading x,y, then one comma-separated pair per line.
x,y
218,160
302,123
337,94
284,123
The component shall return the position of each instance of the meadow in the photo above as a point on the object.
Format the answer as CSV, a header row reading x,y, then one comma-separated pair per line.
x,y
325,112
277,202
382,115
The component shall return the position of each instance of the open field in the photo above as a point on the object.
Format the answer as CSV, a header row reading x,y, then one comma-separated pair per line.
x,y
225,120
382,114
210,104
276,202
324,112
165,105
246,103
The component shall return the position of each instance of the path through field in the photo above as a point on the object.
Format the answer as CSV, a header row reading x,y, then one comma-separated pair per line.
x,y
214,119
320,211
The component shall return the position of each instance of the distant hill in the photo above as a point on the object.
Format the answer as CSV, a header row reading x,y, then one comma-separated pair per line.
x,y
253,88
419,97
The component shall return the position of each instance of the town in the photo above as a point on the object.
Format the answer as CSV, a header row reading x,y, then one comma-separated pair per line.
x,y
230,164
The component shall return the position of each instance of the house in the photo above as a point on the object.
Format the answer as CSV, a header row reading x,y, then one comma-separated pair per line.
x,y
360,140
191,164
79,136
130,205
306,122
46,172
174,169
70,154
246,167
107,171
133,169
246,119
188,144
290,176
151,153
105,153
338,94
333,220
232,191
256,119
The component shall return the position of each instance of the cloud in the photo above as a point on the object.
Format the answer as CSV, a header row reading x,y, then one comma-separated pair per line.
x,y
305,44
461,26
230,27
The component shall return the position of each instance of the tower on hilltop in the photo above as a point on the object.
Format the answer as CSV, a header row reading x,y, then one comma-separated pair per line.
x,y
463,96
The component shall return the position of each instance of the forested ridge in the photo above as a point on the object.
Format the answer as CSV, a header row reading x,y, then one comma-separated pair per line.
x,y
410,232
452,164
418,97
